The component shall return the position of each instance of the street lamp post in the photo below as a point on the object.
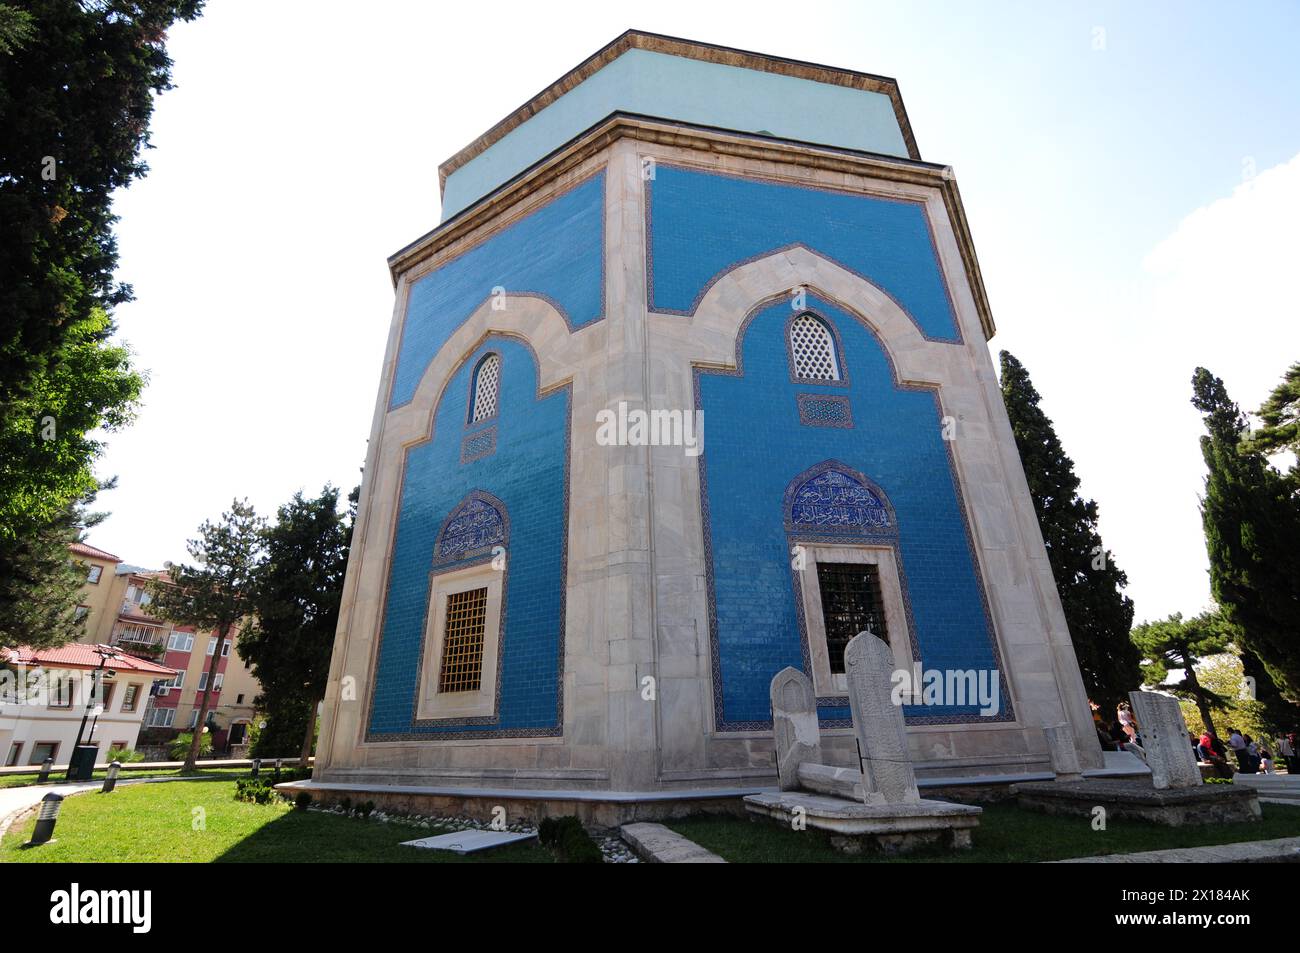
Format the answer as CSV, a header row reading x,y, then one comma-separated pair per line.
x,y
106,655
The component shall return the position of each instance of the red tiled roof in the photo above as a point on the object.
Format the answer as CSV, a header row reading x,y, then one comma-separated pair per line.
x,y
85,549
80,655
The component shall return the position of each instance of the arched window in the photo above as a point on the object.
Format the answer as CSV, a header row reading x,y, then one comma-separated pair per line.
x,y
487,380
812,347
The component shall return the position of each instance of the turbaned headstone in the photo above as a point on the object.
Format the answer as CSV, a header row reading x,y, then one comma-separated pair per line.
x,y
794,725
1165,740
887,776
1065,757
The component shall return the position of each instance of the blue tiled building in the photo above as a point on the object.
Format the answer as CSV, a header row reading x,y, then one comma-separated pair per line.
x,y
690,386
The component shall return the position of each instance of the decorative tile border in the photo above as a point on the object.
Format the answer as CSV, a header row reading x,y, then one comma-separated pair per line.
x,y
825,410
771,180
480,444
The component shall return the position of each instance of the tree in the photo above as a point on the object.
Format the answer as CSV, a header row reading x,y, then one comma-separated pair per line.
x,y
1178,643
297,595
48,445
1088,581
1251,516
77,83
1281,416
41,585
216,594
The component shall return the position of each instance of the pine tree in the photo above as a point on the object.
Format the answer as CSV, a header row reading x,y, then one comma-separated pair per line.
x,y
297,595
1177,643
1251,515
1090,585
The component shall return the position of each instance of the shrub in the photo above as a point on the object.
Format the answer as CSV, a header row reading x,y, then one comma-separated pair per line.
x,y
569,840
346,804
180,748
365,810
302,801
254,791
127,756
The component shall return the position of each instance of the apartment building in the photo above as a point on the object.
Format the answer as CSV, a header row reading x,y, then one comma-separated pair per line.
x,y
115,600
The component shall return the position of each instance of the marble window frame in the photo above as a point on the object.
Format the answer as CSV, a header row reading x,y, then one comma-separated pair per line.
x,y
432,704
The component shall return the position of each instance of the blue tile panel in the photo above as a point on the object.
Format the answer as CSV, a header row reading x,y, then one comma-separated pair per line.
x,y
528,474
757,445
703,224
556,253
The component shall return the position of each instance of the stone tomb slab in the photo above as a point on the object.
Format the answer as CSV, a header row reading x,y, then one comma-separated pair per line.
x,y
890,828
1137,800
469,842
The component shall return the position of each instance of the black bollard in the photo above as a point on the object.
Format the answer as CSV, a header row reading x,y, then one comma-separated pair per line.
x,y
110,779
45,771
257,766
278,762
46,819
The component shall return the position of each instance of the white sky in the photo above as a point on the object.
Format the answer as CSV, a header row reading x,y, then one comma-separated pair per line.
x,y
1105,158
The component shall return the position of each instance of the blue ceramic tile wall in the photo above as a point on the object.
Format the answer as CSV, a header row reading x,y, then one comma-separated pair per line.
x,y
703,223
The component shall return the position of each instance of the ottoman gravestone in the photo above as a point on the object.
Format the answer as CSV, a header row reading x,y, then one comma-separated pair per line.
x,y
1174,795
876,804
1065,757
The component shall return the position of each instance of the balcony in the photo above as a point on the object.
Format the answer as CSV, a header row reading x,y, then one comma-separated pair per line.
x,y
143,640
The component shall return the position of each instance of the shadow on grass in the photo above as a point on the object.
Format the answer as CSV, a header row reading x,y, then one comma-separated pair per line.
x,y
321,838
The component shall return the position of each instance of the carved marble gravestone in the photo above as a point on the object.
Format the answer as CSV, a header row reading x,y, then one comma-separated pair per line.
x,y
887,774
1164,738
794,725
1065,758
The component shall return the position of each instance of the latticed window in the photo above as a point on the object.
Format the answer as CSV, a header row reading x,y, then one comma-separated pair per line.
x,y
813,348
851,603
487,381
462,646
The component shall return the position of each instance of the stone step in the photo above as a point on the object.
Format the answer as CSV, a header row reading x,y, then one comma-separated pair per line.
x,y
656,844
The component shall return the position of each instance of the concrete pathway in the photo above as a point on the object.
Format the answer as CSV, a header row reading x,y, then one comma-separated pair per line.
x,y
656,844
1259,851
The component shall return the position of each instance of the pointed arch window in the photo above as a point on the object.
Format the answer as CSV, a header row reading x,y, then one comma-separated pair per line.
x,y
487,384
812,350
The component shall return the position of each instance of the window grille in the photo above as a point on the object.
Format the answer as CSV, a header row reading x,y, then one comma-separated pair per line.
x,y
851,603
487,380
462,645
813,348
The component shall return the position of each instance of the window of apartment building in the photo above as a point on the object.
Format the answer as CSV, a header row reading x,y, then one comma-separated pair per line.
x,y
15,752
218,681
105,693
62,687
93,574
180,641
161,717
129,697
212,645
42,750
176,681
225,649
239,699
194,719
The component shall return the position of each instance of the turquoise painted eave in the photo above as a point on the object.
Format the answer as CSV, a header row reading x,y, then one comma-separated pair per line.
x,y
687,90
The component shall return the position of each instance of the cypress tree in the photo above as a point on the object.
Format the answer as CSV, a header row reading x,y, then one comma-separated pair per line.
x,y
1089,583
1251,515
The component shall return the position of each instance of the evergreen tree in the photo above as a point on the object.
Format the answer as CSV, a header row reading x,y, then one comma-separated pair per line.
x,y
215,594
1251,515
297,594
1280,415
1090,585
1177,643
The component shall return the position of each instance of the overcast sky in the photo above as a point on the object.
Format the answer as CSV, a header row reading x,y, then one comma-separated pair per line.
x,y
1132,179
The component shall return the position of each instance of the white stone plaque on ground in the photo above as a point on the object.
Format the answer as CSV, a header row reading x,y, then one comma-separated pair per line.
x,y
468,842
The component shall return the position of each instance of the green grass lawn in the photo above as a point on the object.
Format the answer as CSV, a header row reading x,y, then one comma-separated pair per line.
x,y
1006,834
57,777
156,822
